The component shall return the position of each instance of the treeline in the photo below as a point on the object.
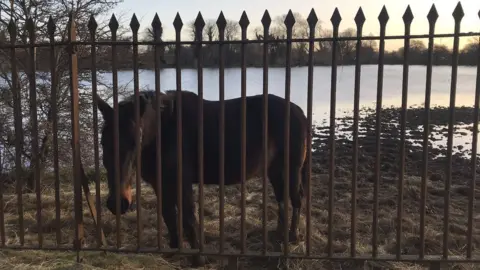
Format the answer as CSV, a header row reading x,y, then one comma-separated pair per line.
x,y
346,55
322,55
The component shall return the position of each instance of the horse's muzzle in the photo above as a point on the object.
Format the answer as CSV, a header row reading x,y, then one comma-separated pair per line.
x,y
124,205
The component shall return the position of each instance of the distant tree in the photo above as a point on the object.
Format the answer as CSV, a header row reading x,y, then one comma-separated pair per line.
x,y
441,55
347,47
40,11
469,54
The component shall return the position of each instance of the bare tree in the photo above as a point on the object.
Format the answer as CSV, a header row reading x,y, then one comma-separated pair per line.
x,y
232,30
210,30
301,29
347,47
41,12
472,46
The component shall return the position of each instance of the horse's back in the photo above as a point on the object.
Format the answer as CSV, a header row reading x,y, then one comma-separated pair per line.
x,y
254,135
233,135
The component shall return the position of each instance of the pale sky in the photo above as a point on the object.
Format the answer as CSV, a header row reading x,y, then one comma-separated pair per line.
x,y
210,9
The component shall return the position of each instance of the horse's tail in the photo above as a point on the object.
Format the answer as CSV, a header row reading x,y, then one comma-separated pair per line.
x,y
304,172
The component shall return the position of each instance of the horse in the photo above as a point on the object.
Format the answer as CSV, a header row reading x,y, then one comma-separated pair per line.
x,y
232,145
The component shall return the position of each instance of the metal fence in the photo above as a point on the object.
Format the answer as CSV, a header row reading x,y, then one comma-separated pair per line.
x,y
79,175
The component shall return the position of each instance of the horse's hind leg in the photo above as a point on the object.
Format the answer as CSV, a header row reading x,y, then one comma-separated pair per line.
x,y
190,224
275,175
296,196
169,213
168,197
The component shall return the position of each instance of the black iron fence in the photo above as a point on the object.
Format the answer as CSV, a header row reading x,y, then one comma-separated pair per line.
x,y
81,180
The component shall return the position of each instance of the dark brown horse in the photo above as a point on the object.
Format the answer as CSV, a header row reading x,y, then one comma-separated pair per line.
x,y
232,161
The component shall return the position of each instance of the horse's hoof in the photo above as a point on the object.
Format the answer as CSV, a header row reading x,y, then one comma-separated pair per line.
x,y
293,237
168,255
198,261
279,235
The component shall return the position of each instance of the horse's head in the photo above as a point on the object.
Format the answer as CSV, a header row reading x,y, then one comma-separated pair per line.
x,y
127,145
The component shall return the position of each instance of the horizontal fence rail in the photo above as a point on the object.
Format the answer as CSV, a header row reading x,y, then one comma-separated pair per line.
x,y
139,143
248,41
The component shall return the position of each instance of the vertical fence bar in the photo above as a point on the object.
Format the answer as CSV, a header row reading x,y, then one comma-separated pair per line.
x,y
135,25
75,135
113,24
407,19
289,23
335,19
471,197
312,21
178,28
432,18
157,28
221,24
17,111
244,22
266,21
92,27
2,216
199,24
359,21
383,19
457,15
34,126
54,116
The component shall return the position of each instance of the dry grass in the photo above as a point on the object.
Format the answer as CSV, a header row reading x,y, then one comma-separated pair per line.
x,y
387,224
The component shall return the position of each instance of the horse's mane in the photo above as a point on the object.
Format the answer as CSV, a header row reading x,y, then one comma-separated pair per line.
x,y
150,96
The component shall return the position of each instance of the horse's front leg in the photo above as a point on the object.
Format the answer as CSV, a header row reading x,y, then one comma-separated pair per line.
x,y
169,211
190,223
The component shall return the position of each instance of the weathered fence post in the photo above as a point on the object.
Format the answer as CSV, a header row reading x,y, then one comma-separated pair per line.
x,y
79,233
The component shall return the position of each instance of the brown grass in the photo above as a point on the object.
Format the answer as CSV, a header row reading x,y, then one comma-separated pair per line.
x,y
341,230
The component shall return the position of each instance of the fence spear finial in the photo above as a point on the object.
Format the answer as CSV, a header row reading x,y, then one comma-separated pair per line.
x,y
11,8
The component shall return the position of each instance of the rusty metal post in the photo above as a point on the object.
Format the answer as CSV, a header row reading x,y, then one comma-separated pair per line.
x,y
74,99
135,25
199,24
17,111
383,19
221,24
407,19
244,22
178,24
359,21
54,111
432,18
335,19
156,27
312,21
266,21
2,216
113,25
457,15
92,27
35,182
289,23
471,197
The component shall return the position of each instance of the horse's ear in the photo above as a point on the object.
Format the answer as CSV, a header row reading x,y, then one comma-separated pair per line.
x,y
168,101
104,108
129,108
143,104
